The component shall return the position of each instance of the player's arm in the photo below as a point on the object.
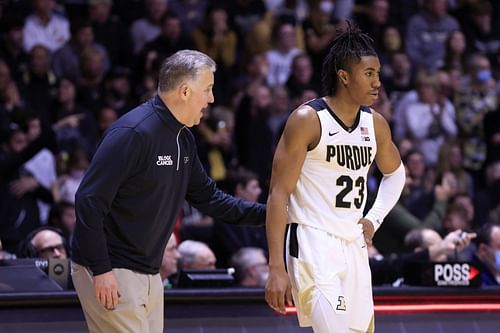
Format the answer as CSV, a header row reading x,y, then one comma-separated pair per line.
x,y
302,132
389,163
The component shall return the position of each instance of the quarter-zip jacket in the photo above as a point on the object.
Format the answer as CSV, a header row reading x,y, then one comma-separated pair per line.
x,y
127,203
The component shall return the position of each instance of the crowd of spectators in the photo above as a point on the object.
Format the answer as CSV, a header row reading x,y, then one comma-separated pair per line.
x,y
68,69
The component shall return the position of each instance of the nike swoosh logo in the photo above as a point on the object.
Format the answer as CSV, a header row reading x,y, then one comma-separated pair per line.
x,y
332,134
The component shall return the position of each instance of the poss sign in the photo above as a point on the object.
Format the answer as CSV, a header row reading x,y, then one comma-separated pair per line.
x,y
446,274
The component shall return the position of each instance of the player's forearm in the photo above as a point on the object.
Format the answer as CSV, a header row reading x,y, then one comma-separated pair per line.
x,y
388,194
276,220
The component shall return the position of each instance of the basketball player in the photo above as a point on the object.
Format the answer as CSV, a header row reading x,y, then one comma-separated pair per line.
x,y
318,187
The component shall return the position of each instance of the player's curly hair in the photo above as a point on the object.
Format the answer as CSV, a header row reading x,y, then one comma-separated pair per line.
x,y
348,47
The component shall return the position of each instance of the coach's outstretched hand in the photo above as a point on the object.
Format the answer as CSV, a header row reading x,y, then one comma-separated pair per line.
x,y
278,290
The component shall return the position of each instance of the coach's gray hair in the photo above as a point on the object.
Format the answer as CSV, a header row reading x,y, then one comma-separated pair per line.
x,y
182,65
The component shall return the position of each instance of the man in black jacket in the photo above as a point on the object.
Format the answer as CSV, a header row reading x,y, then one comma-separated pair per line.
x,y
143,169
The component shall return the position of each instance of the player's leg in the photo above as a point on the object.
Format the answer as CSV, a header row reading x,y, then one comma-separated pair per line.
x,y
358,288
316,265
325,319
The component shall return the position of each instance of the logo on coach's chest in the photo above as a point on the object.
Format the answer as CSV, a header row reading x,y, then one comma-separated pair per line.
x,y
164,160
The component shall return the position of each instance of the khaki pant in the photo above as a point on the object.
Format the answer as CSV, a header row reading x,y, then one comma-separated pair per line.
x,y
140,307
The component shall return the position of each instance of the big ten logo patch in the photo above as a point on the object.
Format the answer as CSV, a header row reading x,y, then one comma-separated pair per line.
x,y
341,306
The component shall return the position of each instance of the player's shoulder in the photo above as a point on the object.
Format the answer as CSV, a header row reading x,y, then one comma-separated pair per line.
x,y
303,122
381,126
308,110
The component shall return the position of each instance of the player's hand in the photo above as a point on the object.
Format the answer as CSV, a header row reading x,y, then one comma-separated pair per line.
x,y
368,230
106,289
278,290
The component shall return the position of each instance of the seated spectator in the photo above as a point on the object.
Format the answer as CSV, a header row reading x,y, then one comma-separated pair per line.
x,y
450,160
63,216
11,45
216,38
196,255
252,76
400,220
91,86
280,57
374,19
426,34
255,151
486,197
488,254
74,126
19,189
170,40
228,239
66,61
105,117
4,255
191,13
45,27
145,29
65,187
456,219
214,138
420,181
319,32
430,119
390,44
480,31
464,200
476,98
440,250
169,262
10,98
251,267
494,213
110,31
455,56
301,76
39,83
42,166
118,94
425,246
44,242
398,78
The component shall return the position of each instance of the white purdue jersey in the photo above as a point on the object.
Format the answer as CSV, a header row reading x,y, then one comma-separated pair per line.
x,y
331,190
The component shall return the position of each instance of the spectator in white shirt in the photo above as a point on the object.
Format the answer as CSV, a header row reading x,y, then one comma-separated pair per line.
x,y
45,27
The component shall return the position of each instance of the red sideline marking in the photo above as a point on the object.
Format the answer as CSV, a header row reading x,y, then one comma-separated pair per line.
x,y
411,308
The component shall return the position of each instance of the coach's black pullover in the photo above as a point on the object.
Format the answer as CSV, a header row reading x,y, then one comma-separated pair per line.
x,y
127,203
